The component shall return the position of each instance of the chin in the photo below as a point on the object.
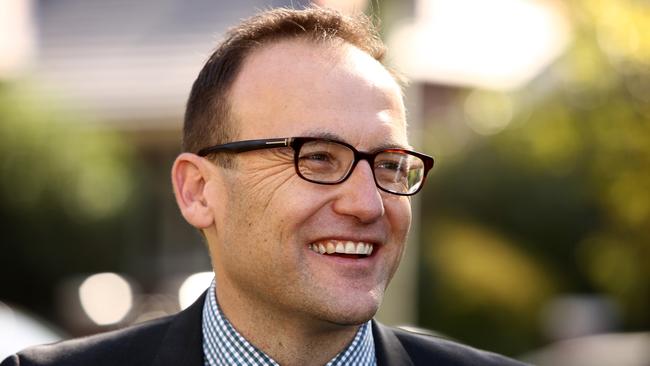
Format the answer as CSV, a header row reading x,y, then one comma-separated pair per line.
x,y
356,313
352,320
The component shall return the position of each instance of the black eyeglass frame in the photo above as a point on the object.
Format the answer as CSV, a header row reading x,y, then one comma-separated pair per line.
x,y
296,143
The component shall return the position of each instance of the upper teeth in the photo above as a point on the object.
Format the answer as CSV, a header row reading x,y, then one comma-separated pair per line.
x,y
343,247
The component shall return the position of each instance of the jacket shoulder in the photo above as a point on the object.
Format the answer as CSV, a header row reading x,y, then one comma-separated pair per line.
x,y
133,345
428,348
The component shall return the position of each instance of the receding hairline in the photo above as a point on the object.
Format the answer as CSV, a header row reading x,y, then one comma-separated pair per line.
x,y
330,52
208,118
272,87
331,49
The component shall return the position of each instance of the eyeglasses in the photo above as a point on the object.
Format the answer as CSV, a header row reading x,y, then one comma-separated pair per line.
x,y
323,161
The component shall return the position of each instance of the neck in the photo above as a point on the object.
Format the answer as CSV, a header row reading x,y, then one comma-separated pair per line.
x,y
290,339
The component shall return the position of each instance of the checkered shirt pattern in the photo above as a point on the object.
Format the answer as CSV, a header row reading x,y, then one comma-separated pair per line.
x,y
224,346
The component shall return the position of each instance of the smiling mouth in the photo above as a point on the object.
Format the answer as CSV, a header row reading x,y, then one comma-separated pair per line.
x,y
342,248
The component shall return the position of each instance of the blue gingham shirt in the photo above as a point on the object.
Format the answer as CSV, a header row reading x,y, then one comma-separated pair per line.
x,y
224,346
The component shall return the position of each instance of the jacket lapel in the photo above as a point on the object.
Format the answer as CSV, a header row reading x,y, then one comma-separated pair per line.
x,y
183,341
388,348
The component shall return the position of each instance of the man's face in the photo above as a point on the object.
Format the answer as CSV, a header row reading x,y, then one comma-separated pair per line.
x,y
269,216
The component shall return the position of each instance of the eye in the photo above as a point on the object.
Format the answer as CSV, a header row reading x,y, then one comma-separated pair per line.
x,y
317,156
397,166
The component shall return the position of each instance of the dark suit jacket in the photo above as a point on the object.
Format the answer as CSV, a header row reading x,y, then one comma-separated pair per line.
x,y
176,340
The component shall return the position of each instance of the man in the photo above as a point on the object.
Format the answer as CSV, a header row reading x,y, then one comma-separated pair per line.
x,y
298,172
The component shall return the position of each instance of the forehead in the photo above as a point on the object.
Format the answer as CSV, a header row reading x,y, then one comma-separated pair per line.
x,y
292,87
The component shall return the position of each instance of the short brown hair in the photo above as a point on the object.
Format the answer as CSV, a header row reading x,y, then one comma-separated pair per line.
x,y
207,113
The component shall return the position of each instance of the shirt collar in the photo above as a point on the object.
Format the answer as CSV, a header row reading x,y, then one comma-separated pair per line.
x,y
224,346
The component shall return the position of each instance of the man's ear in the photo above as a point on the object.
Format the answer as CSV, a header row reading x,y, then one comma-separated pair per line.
x,y
189,177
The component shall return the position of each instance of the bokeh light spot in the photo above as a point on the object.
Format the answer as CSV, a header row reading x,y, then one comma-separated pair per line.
x,y
193,287
106,298
488,112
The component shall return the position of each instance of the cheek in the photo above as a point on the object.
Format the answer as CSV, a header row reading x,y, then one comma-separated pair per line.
x,y
399,216
398,210
279,213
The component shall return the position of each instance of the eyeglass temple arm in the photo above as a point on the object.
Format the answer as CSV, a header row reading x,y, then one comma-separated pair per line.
x,y
248,145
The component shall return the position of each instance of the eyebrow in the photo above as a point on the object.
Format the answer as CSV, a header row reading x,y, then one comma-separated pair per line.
x,y
333,136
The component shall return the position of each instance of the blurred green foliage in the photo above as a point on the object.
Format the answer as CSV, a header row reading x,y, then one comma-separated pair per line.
x,y
548,195
63,188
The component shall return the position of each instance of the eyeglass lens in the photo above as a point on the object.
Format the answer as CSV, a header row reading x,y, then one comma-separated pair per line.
x,y
330,162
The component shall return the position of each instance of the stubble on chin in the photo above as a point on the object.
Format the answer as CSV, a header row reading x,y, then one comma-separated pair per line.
x,y
350,313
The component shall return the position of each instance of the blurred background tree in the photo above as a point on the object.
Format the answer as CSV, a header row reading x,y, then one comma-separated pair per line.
x,y
64,188
550,197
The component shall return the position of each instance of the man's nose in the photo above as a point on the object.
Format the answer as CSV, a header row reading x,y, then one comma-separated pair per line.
x,y
359,195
